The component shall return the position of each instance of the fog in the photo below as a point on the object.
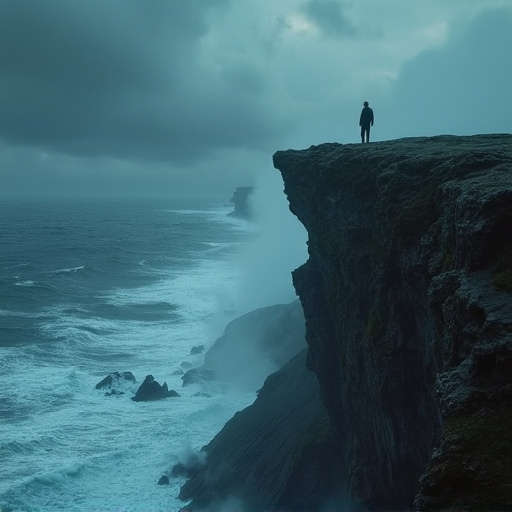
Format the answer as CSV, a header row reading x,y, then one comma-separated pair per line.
x,y
278,248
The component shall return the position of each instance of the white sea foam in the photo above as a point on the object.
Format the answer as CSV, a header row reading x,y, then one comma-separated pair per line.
x,y
68,270
27,284
72,448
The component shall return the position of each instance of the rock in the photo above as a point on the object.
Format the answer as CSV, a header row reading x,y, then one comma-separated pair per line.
x,y
186,365
115,379
197,375
179,371
196,350
164,480
277,454
179,469
190,465
240,201
406,295
252,347
152,390
257,344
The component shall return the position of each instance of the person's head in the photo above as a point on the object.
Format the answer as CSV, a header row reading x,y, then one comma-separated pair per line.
x,y
365,103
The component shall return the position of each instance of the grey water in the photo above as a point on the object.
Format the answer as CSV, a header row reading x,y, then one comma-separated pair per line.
x,y
92,287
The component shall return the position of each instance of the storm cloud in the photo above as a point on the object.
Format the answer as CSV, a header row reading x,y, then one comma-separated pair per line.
x,y
186,97
124,79
462,86
328,15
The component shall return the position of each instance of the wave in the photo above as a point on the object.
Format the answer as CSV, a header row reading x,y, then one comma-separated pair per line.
x,y
57,476
147,311
27,284
19,265
67,270
22,314
187,212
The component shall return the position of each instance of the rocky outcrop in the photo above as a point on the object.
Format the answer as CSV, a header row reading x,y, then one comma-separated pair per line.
x,y
406,295
255,345
197,375
115,378
117,383
276,454
241,204
150,389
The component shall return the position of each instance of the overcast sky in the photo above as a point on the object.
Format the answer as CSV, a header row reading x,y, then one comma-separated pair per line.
x,y
194,96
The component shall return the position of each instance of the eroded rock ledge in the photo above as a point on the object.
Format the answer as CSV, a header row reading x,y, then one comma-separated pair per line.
x,y
408,307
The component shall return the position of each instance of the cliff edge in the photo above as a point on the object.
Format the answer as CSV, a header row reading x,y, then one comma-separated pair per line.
x,y
408,308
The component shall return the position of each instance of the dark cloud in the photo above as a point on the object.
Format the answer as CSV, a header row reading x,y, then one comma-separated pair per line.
x,y
461,88
329,17
124,78
170,97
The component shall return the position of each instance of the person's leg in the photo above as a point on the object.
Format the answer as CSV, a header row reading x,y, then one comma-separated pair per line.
x,y
362,133
368,134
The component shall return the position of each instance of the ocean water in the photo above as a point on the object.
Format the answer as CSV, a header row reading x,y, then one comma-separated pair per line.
x,y
89,288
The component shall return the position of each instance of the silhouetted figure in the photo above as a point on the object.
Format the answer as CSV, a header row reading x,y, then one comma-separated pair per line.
x,y
365,121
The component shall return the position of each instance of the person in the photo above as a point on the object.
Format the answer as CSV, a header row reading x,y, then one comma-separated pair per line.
x,y
365,121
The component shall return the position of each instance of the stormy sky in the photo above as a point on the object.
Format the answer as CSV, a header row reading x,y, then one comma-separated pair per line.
x,y
185,97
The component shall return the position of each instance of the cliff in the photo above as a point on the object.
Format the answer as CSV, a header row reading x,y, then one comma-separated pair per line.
x,y
240,200
257,344
408,309
407,300
276,454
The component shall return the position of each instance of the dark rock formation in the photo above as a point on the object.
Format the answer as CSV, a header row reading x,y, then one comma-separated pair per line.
x,y
190,465
163,480
257,344
115,379
198,349
150,389
240,201
197,375
406,295
277,454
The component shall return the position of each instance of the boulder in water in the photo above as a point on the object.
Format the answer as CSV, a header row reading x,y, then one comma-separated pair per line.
x,y
196,350
190,465
116,380
150,389
164,480
197,375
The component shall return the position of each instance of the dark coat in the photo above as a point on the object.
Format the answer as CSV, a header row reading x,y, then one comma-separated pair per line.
x,y
366,118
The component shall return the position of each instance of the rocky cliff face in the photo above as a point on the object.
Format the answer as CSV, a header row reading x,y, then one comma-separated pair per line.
x,y
241,204
276,454
408,307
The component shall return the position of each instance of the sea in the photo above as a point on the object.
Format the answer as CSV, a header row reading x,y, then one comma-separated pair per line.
x,y
91,287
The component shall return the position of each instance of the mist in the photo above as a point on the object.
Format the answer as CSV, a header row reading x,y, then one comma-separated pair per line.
x,y
279,247
267,325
